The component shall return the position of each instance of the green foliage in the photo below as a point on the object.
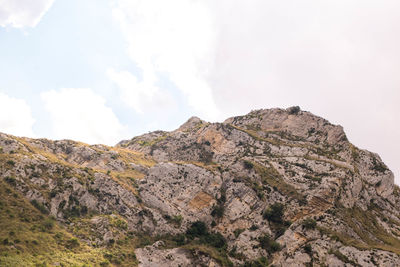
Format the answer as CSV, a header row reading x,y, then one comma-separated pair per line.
x,y
177,219
378,166
215,240
313,178
11,180
293,110
309,223
260,262
179,239
248,164
270,176
268,244
237,232
218,211
120,224
47,225
11,162
197,229
39,206
30,238
308,249
274,213
343,257
72,243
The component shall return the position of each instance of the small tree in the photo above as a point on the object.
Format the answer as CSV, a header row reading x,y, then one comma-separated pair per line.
x,y
309,223
274,213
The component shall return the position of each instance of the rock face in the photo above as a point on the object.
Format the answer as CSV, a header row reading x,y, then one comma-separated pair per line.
x,y
277,186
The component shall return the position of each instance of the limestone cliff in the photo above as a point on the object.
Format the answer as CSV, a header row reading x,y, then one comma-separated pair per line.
x,y
277,186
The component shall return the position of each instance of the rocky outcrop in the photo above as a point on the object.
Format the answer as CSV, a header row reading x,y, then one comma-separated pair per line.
x,y
276,186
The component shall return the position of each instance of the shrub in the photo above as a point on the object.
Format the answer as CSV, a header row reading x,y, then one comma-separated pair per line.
x,y
47,225
378,166
308,249
237,232
11,162
121,224
274,213
179,239
253,227
39,206
268,244
11,180
197,229
293,110
72,243
260,262
215,240
218,211
248,164
309,223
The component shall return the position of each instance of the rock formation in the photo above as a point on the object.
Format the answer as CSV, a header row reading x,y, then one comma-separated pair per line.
x,y
276,186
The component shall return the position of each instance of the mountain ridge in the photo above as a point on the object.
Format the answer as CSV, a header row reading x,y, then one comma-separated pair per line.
x,y
275,186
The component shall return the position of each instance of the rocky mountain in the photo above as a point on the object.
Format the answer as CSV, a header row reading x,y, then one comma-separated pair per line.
x,y
278,187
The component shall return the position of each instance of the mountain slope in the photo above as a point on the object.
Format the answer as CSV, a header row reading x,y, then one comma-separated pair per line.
x,y
276,186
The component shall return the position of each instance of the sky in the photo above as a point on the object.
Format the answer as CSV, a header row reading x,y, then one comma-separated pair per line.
x,y
101,71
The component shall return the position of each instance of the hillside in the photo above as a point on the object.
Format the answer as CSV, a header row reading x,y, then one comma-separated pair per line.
x,y
276,186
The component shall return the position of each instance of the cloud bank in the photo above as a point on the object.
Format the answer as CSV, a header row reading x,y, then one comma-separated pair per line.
x,y
80,114
171,38
338,59
15,116
23,13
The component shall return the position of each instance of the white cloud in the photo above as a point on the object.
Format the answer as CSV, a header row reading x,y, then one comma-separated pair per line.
x,y
338,59
80,114
15,116
142,96
23,13
174,38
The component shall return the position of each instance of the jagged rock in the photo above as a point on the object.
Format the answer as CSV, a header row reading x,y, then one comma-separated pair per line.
x,y
232,176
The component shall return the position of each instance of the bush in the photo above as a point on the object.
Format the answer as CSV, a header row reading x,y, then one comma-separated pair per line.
x,y
248,164
11,162
260,262
237,232
309,223
268,244
179,239
215,240
293,110
11,180
72,243
177,219
197,229
39,206
274,213
218,211
47,225
308,249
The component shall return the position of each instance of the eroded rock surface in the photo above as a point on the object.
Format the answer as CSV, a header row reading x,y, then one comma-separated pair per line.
x,y
277,186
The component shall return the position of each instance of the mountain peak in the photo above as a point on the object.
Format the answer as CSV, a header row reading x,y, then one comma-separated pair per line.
x,y
275,186
190,123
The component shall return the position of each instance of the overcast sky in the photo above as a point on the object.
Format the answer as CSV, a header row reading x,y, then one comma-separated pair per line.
x,y
100,71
